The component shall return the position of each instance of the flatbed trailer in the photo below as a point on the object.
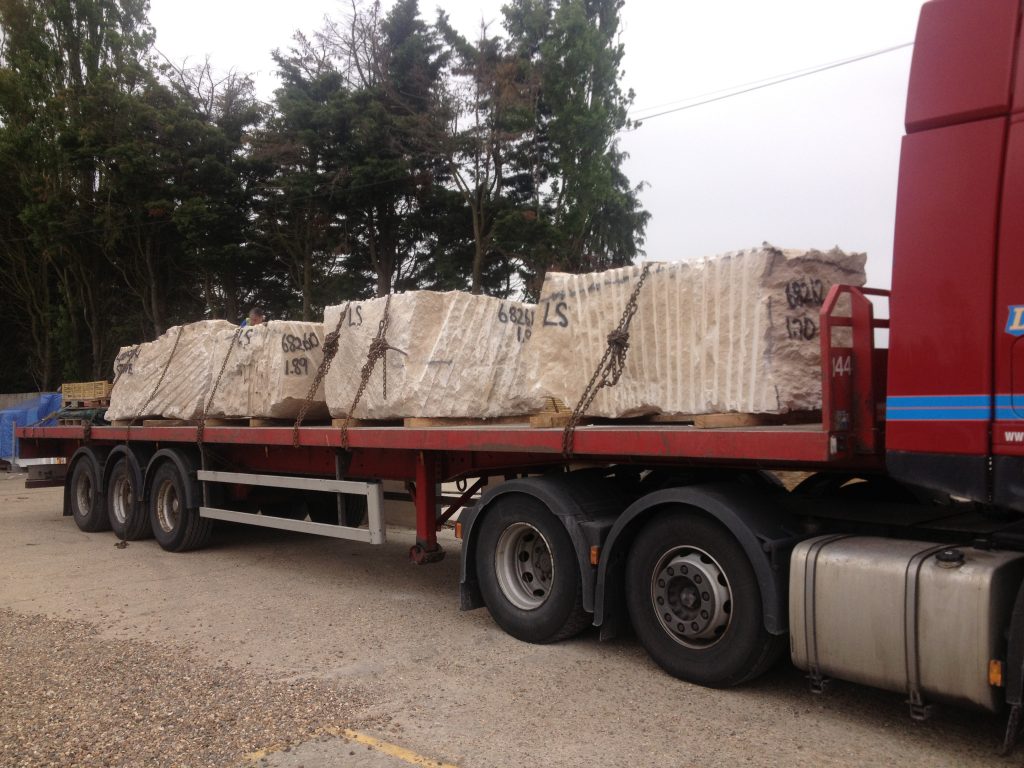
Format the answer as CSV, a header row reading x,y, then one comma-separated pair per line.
x,y
428,456
898,559
848,439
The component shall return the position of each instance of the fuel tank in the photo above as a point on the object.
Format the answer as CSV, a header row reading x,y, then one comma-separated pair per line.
x,y
910,616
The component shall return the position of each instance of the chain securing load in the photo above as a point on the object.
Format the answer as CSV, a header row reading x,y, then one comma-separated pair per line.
x,y
156,388
378,351
330,349
609,369
201,429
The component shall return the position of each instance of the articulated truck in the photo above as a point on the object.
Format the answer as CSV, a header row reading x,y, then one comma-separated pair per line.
x,y
896,561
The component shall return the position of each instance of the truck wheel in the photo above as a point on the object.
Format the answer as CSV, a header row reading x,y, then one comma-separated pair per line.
x,y
175,527
528,572
128,516
323,508
869,488
85,496
695,604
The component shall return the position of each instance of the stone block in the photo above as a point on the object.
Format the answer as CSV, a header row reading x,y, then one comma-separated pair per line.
x,y
732,333
461,357
182,392
284,369
268,372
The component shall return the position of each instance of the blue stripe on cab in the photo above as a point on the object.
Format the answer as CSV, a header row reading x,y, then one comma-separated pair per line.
x,y
939,408
937,414
939,401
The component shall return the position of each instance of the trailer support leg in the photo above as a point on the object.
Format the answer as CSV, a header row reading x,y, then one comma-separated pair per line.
x,y
426,549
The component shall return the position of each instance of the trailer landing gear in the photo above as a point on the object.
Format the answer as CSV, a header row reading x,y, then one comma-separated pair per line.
x,y
422,555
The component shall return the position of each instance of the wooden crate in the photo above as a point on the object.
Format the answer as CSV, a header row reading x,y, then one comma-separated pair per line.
x,y
79,391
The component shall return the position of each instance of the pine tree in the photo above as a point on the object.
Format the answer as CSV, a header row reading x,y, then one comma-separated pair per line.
x,y
585,214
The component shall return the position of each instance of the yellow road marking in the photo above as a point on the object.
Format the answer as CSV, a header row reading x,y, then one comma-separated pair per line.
x,y
392,750
406,755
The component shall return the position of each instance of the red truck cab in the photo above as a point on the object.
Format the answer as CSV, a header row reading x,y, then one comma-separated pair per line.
x,y
955,404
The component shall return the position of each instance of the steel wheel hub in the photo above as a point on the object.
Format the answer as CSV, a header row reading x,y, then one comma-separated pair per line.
x,y
168,507
691,597
83,493
122,498
524,566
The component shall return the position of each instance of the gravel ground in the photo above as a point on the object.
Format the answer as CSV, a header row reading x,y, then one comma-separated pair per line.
x,y
279,609
70,697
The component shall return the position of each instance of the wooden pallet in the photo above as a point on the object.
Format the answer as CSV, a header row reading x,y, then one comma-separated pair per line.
x,y
263,421
429,423
212,422
556,414
86,390
101,402
153,422
340,422
253,421
556,418
734,420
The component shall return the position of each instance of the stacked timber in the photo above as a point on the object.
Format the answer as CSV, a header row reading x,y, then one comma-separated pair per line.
x,y
737,332
456,356
267,372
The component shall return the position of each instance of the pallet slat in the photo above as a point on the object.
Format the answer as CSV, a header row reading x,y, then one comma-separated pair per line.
x,y
429,423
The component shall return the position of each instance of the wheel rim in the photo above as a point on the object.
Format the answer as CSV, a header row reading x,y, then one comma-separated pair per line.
x,y
168,507
121,498
524,566
83,493
691,597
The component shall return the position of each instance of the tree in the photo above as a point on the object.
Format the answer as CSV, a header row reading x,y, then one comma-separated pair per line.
x,y
493,101
586,216
303,147
210,121
26,292
63,59
394,65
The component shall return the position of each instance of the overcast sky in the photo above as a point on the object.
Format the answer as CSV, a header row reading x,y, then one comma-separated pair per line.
x,y
807,163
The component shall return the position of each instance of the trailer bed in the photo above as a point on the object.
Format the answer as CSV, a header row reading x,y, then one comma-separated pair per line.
x,y
801,444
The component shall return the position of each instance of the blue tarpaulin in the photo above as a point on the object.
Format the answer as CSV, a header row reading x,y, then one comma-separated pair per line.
x,y
40,410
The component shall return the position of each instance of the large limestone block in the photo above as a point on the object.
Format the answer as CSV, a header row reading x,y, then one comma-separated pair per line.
x,y
268,372
461,356
736,332
183,391
289,357
232,398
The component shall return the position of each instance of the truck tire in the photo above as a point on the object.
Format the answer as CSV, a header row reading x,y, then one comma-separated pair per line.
x,y
175,527
86,496
323,508
868,488
126,512
695,604
528,572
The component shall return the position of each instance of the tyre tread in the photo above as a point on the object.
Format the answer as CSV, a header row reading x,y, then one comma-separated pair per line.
x,y
97,521
576,618
195,530
758,650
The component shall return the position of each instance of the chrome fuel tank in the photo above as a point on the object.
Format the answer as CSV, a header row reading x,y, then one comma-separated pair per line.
x,y
908,616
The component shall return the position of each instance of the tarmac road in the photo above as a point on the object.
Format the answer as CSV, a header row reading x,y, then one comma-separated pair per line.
x,y
280,649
